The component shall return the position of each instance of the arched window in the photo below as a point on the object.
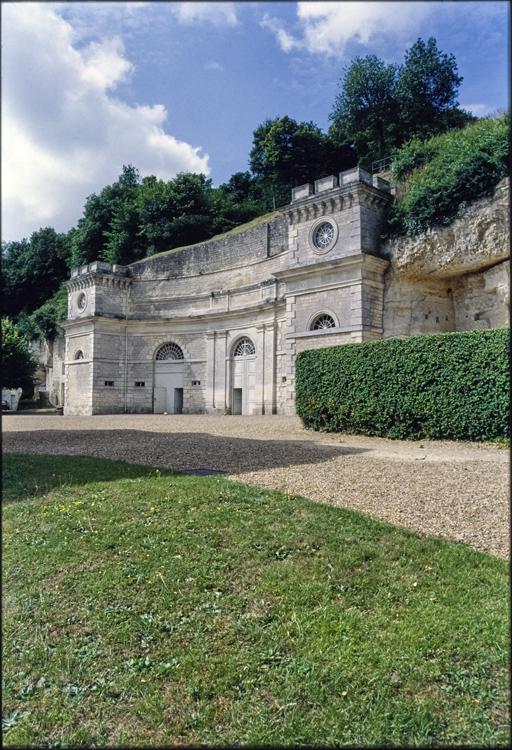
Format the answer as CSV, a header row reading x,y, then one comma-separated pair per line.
x,y
169,351
323,321
79,354
244,348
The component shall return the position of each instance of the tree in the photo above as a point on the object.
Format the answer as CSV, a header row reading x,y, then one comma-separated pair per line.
x,y
381,106
365,112
287,153
175,213
95,237
33,270
426,92
442,176
238,201
45,320
19,364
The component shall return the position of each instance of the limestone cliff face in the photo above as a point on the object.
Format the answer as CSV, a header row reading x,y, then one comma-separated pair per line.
x,y
451,279
481,237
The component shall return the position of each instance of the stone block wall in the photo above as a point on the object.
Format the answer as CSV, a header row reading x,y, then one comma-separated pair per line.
x,y
260,242
321,340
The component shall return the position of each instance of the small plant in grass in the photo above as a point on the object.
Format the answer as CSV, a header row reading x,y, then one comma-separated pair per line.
x,y
146,608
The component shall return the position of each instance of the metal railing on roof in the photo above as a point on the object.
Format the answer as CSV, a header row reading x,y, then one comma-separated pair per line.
x,y
382,165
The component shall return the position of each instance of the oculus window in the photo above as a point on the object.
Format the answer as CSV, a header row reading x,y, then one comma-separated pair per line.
x,y
323,235
82,301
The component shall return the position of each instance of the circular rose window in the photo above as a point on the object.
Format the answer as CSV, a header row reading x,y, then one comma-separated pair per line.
x,y
82,301
323,236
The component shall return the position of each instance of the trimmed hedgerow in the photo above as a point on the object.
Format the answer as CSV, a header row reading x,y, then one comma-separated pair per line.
x,y
442,386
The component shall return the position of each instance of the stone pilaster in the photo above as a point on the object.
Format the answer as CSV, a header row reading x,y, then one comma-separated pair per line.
x,y
261,364
269,394
221,366
210,372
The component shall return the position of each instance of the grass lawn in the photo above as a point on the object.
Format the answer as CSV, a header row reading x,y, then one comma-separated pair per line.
x,y
147,608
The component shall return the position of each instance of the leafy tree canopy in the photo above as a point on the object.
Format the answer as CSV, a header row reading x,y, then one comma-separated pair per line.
x,y
32,270
134,218
381,106
365,112
19,364
287,153
426,92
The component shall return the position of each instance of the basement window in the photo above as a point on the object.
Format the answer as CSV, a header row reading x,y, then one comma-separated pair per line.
x,y
140,384
109,383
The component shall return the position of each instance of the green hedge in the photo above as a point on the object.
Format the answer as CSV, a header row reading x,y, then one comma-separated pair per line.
x,y
443,386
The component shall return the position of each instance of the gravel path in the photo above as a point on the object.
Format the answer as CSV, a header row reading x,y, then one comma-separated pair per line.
x,y
454,490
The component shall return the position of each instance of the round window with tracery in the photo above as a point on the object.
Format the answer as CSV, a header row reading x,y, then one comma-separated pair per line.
x,y
169,351
323,236
323,321
244,348
82,301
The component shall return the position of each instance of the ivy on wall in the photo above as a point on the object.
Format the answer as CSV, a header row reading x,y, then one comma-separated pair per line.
x,y
442,386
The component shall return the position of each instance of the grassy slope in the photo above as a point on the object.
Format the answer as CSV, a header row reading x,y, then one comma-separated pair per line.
x,y
143,607
236,230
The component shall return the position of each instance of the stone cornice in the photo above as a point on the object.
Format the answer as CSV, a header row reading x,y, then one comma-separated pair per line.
x,y
96,279
336,200
316,269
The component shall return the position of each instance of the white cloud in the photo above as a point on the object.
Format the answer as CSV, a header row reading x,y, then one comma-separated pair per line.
x,y
65,136
104,64
219,14
327,27
212,65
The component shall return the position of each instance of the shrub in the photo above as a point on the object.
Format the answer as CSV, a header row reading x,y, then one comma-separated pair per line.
x,y
441,176
19,364
442,386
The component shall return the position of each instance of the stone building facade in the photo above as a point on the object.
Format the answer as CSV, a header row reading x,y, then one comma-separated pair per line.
x,y
216,327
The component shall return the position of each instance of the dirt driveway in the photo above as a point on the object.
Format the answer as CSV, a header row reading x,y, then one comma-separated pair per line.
x,y
449,489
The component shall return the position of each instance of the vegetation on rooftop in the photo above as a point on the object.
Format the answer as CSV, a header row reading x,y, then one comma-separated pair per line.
x,y
258,221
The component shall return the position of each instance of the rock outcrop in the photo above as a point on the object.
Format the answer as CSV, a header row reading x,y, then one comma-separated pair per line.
x,y
453,278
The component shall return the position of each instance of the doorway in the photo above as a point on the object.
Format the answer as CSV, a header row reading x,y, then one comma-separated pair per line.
x,y
243,377
168,396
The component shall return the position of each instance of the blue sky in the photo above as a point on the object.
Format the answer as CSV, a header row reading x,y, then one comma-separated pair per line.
x,y
171,87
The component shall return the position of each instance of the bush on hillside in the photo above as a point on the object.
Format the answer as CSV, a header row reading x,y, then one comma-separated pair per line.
x,y
442,386
438,178
19,364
